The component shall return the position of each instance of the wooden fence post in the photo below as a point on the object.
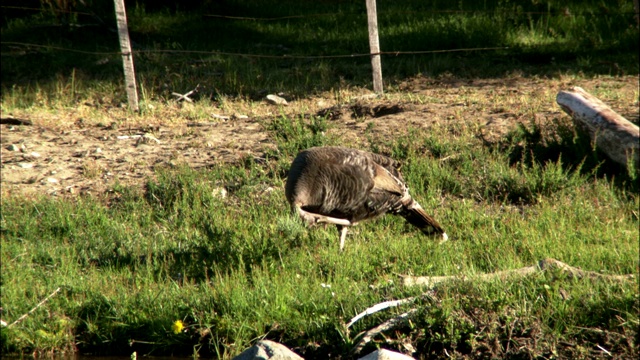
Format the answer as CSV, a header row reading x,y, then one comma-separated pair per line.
x,y
127,55
374,45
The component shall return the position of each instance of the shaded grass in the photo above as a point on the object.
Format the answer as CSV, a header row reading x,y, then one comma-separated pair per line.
x,y
240,267
543,38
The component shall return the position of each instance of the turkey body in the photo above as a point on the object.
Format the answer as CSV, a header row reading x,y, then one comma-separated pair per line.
x,y
343,186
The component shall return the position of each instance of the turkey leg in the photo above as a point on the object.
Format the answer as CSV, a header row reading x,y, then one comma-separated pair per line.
x,y
312,219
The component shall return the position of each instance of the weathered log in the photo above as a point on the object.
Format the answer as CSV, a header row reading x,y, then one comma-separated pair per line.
x,y
542,265
616,136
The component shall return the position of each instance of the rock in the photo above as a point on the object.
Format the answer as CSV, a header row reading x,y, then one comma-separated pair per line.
x,y
52,180
31,155
13,147
266,349
147,139
25,165
98,150
219,192
384,354
276,100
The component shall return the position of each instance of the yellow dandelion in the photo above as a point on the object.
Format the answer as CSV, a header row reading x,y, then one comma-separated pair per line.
x,y
177,326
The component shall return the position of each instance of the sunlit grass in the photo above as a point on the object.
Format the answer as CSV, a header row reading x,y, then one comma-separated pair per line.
x,y
243,267
133,263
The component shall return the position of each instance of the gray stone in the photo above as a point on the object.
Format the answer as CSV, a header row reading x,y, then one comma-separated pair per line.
x,y
268,350
276,100
384,354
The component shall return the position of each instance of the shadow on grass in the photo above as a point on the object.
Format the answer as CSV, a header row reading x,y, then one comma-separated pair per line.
x,y
607,46
562,143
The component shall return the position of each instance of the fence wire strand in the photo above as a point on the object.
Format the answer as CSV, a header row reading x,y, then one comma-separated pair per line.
x,y
266,56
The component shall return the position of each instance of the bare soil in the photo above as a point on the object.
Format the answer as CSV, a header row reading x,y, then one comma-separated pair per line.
x,y
42,157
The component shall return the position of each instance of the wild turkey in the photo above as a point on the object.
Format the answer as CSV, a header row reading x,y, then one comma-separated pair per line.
x,y
343,186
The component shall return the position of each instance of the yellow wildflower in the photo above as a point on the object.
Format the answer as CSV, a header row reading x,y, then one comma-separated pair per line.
x,y
177,326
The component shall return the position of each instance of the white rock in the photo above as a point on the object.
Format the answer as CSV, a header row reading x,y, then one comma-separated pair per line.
x,y
219,192
268,350
13,147
384,354
25,165
52,180
98,150
221,117
276,100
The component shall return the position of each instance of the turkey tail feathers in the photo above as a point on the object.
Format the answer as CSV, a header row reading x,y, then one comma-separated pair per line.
x,y
416,216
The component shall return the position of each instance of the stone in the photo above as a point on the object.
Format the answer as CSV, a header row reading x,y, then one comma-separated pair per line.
x,y
276,100
268,350
25,165
147,139
13,147
384,354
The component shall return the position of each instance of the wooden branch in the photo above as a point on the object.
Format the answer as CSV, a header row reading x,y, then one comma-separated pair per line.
x,y
430,281
387,325
542,265
378,307
613,134
35,308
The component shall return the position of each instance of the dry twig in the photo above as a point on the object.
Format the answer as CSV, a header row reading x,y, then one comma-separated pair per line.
x,y
35,308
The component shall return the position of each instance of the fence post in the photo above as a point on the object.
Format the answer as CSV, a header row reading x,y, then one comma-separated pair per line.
x,y
374,45
127,55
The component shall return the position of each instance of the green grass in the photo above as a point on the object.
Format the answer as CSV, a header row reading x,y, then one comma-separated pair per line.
x,y
238,268
243,267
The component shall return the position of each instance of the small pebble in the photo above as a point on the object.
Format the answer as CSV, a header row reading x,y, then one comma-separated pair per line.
x,y
25,165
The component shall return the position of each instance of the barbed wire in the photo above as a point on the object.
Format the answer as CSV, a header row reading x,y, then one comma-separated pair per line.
x,y
224,53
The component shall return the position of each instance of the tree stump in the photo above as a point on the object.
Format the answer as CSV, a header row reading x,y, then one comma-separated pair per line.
x,y
616,136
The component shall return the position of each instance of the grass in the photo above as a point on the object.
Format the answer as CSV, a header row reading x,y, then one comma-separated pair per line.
x,y
239,267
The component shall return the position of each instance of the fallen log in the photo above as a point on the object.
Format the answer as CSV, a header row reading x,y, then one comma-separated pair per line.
x,y
542,265
616,136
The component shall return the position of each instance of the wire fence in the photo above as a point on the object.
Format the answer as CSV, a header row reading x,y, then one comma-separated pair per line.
x,y
30,46
382,12
224,53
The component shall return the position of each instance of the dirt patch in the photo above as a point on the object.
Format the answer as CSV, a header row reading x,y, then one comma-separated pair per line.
x,y
41,158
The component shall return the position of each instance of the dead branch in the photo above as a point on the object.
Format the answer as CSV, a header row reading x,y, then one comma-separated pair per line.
x,y
431,281
542,265
387,325
378,307
35,308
